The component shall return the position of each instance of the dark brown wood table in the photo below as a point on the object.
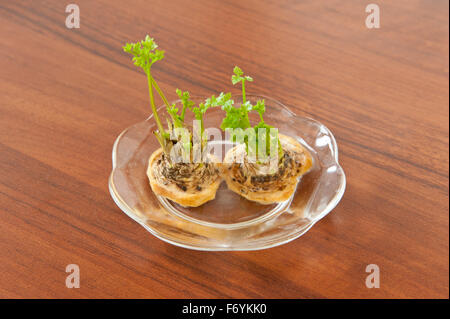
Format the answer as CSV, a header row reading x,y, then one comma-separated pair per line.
x,y
67,93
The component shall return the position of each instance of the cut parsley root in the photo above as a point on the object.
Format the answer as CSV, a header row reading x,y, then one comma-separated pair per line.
x,y
258,182
184,182
188,184
268,175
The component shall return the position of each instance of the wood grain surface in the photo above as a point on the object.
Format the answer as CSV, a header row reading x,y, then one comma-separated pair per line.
x,y
67,93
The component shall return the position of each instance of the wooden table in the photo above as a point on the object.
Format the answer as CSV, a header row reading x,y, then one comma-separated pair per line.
x,y
67,93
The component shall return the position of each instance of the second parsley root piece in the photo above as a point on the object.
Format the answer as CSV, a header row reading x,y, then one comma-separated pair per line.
x,y
258,182
266,166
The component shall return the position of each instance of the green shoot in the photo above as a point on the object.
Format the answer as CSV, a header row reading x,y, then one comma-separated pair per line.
x,y
161,94
237,118
239,77
145,53
178,119
186,101
223,100
260,107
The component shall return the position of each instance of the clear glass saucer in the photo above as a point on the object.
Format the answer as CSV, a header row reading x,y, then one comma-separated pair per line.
x,y
229,222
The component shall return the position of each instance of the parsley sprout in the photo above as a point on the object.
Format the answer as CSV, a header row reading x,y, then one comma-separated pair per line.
x,y
223,100
238,77
269,137
178,119
145,53
237,118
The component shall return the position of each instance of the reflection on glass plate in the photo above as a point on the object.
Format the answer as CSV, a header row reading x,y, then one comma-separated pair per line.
x,y
229,222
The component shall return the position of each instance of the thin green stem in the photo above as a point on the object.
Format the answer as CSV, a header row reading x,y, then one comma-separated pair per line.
x,y
152,103
183,112
202,137
244,99
243,91
161,94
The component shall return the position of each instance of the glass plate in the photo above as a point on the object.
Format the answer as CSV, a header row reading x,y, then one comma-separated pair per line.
x,y
229,222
